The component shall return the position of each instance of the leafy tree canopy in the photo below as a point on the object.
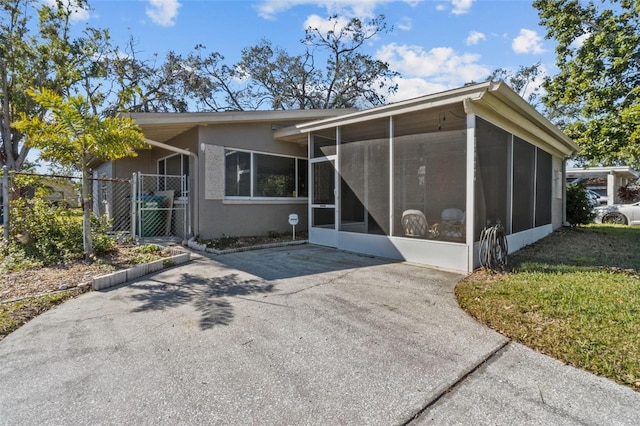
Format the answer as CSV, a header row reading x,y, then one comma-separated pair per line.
x,y
41,55
597,91
72,134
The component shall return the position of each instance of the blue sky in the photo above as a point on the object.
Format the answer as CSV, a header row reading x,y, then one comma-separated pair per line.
x,y
435,45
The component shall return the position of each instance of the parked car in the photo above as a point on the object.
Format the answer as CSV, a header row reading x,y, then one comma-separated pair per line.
x,y
602,199
624,214
593,197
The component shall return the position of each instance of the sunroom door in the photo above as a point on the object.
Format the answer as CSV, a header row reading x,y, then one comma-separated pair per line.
x,y
323,178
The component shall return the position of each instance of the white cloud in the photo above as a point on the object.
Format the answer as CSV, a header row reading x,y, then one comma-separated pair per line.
x,y
78,14
268,9
460,7
405,24
324,25
163,12
457,7
414,87
578,42
474,38
441,66
527,42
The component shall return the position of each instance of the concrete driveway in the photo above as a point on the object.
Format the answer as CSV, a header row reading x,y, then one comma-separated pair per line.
x,y
300,335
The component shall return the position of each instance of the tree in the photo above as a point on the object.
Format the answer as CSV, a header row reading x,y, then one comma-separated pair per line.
x,y
349,78
73,134
42,56
524,81
597,90
147,85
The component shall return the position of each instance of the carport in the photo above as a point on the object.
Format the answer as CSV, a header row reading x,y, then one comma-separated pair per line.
x,y
604,180
418,180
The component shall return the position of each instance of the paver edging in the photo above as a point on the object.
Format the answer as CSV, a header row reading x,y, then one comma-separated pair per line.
x,y
125,275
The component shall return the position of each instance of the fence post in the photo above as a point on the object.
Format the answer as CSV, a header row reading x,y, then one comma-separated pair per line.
x,y
5,203
134,201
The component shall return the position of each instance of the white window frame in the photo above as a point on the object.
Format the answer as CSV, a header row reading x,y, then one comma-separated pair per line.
x,y
252,198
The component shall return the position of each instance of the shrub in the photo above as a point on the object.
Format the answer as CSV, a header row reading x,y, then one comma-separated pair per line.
x,y
222,243
102,242
578,208
46,234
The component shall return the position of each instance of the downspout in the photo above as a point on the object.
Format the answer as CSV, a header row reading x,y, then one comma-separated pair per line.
x,y
196,193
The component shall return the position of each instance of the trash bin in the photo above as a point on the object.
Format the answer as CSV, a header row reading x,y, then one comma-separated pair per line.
x,y
150,214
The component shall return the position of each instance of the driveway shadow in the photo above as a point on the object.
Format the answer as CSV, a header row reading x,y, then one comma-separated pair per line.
x,y
208,296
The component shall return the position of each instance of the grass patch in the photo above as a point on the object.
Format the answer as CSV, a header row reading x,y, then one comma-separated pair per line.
x,y
15,314
574,295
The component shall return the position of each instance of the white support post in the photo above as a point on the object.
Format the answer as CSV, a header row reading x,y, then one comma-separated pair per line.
x,y
611,189
134,205
391,172
471,179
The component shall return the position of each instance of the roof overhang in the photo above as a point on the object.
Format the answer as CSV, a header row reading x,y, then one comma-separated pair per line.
x,y
163,127
620,171
494,101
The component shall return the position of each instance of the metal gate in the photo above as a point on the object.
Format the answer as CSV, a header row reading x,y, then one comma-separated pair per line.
x,y
161,208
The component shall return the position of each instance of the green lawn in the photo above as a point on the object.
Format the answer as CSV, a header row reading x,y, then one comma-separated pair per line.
x,y
574,295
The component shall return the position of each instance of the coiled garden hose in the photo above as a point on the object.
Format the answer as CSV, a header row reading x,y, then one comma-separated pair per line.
x,y
493,247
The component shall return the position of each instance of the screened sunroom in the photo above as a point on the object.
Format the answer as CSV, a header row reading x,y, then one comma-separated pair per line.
x,y
418,180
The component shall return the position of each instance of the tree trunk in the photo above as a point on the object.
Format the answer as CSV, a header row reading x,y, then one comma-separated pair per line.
x,y
87,242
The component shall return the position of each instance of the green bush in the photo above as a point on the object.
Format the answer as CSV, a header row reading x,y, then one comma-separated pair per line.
x,y
44,234
102,242
579,210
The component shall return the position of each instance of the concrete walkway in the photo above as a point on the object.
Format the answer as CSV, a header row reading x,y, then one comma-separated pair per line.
x,y
301,335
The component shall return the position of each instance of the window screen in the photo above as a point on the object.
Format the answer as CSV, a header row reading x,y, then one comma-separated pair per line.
x,y
492,176
364,177
544,177
429,168
523,185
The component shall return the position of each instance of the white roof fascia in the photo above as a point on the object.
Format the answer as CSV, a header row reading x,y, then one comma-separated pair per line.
x,y
410,105
206,118
492,99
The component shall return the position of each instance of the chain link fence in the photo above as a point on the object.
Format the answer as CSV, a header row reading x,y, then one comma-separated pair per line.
x,y
111,199
161,210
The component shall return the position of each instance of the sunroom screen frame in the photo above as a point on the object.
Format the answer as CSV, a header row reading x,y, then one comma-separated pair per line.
x,y
495,103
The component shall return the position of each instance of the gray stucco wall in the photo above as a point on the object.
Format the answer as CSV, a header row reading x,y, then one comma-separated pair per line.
x,y
217,216
241,218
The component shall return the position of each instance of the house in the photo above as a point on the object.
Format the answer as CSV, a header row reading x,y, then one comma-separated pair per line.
x,y
603,180
415,180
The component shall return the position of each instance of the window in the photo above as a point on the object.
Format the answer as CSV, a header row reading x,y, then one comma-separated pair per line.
x,y
174,165
237,174
172,169
257,175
